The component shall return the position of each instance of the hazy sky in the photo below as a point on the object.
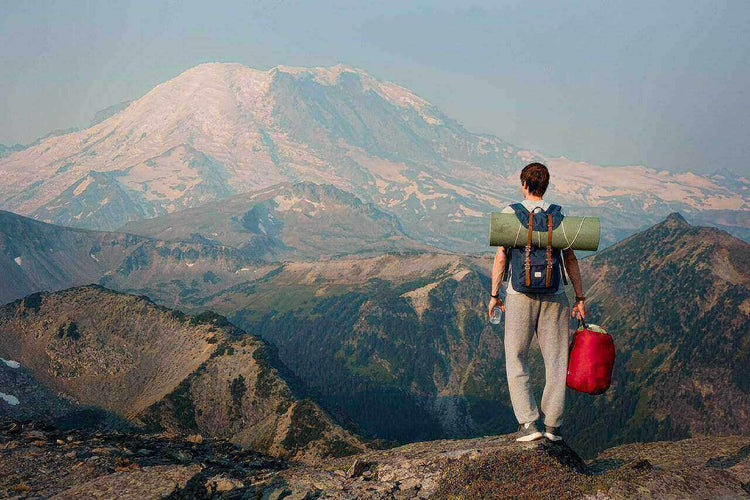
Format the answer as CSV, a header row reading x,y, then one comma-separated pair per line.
x,y
660,83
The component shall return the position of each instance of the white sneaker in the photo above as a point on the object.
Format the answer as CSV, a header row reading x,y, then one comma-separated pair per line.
x,y
528,432
552,433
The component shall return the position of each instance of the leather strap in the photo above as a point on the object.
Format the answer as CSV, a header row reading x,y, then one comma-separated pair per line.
x,y
527,264
548,276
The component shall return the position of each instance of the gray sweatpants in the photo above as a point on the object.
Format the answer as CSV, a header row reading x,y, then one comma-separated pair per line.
x,y
548,316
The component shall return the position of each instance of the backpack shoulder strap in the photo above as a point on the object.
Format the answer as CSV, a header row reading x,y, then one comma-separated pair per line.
x,y
557,215
519,209
522,213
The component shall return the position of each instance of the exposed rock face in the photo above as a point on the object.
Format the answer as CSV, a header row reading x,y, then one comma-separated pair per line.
x,y
42,461
151,365
37,256
132,465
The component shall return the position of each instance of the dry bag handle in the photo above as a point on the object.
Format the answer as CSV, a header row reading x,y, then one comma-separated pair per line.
x,y
582,322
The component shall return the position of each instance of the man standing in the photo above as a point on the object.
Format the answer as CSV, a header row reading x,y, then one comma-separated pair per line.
x,y
543,310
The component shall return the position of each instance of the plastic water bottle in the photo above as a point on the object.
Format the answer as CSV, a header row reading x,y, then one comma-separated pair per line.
x,y
497,315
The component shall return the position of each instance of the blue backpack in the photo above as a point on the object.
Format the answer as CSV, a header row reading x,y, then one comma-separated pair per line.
x,y
537,268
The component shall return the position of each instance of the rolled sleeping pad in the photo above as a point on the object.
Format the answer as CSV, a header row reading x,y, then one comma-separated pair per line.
x,y
578,233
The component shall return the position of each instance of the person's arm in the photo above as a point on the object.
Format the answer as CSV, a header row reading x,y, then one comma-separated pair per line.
x,y
574,273
498,269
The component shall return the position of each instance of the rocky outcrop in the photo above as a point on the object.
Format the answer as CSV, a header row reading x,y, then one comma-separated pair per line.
x,y
159,368
80,464
42,461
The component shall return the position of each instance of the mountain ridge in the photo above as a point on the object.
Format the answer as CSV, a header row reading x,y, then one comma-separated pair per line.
x,y
156,367
289,221
237,129
285,222
677,299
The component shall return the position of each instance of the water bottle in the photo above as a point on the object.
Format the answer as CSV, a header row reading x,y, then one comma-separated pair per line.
x,y
497,315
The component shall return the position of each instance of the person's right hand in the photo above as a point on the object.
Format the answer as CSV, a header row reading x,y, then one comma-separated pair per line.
x,y
494,303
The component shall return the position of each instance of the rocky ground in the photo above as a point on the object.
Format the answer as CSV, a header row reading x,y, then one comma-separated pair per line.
x,y
38,461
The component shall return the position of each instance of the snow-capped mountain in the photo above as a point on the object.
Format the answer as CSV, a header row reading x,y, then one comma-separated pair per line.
x,y
222,129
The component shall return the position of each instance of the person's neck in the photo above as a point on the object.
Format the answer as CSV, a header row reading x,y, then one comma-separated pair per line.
x,y
532,197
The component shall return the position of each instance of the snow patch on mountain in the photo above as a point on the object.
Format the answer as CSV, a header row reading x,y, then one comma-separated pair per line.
x,y
574,179
9,398
321,74
82,186
10,363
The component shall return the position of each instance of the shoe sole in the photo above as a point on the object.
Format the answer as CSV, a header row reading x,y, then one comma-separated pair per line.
x,y
530,437
552,437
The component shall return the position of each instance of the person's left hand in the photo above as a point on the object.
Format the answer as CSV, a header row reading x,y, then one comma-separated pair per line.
x,y
579,311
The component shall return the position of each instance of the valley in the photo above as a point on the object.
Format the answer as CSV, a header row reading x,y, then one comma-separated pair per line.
x,y
396,345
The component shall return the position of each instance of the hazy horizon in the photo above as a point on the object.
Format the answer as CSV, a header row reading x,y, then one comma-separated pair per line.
x,y
659,84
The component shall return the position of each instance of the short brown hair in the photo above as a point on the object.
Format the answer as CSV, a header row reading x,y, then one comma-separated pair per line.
x,y
536,178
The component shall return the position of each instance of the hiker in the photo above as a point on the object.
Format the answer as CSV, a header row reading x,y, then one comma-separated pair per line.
x,y
537,304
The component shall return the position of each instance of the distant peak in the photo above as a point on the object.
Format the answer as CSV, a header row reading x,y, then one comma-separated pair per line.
x,y
216,68
337,67
326,75
724,172
676,220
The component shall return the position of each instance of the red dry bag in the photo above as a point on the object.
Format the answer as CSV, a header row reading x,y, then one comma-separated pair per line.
x,y
591,358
